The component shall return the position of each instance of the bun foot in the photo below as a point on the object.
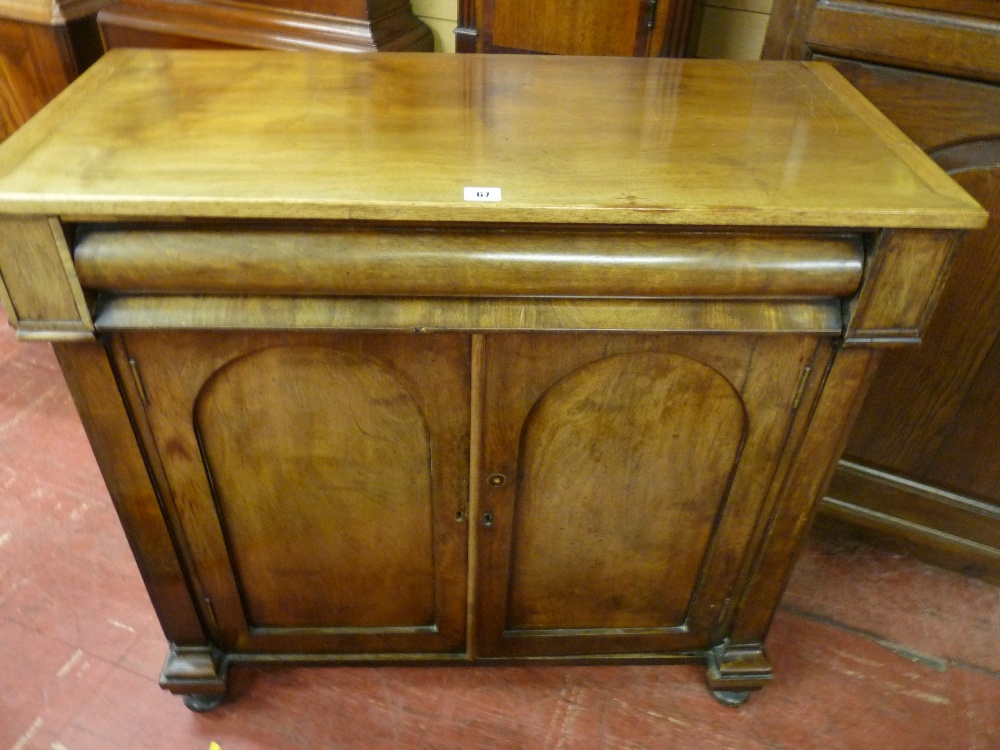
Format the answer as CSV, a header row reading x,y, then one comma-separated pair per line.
x,y
731,697
197,674
736,671
204,702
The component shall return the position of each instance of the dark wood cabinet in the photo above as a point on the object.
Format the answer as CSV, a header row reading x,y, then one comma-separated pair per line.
x,y
350,412
44,45
577,27
329,25
922,467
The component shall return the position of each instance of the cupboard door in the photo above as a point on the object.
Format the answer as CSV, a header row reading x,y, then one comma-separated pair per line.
x,y
622,480
317,483
587,27
580,27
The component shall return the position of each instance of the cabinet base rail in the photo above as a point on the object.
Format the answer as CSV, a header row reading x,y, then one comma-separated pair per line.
x,y
199,674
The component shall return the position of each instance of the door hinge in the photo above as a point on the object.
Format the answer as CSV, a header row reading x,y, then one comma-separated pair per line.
x,y
138,380
800,389
651,15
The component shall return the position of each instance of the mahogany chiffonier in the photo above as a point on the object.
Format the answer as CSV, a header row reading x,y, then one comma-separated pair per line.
x,y
467,358
44,44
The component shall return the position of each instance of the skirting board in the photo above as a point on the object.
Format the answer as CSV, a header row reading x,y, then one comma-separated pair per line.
x,y
934,525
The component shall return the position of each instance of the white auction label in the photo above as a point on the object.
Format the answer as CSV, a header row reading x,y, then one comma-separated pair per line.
x,y
482,194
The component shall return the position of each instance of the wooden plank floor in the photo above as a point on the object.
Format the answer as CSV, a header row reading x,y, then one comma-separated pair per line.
x,y
871,649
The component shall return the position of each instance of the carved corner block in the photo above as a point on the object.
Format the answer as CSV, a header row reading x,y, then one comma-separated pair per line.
x,y
734,672
38,284
905,271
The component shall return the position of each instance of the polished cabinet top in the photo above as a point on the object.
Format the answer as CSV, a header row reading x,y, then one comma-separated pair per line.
x,y
401,137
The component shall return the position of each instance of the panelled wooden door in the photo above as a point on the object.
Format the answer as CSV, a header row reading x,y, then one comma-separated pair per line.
x,y
318,483
621,478
634,28
594,27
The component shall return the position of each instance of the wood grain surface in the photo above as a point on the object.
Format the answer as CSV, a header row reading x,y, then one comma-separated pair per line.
x,y
907,37
624,462
565,139
480,262
348,478
38,284
583,27
645,501
91,380
598,27
920,470
330,26
36,63
931,412
933,110
444,314
318,481
620,388
48,12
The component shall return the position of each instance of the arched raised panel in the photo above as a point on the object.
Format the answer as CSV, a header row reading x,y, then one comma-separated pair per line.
x,y
330,525
624,466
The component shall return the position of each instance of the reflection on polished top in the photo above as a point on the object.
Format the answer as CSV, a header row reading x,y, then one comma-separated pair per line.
x,y
400,136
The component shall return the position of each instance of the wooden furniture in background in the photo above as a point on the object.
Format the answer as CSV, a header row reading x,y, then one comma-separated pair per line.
x,y
44,44
327,25
349,412
922,468
576,27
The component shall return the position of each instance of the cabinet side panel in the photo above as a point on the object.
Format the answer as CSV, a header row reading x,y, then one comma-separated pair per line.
x,y
324,485
95,392
837,405
625,463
